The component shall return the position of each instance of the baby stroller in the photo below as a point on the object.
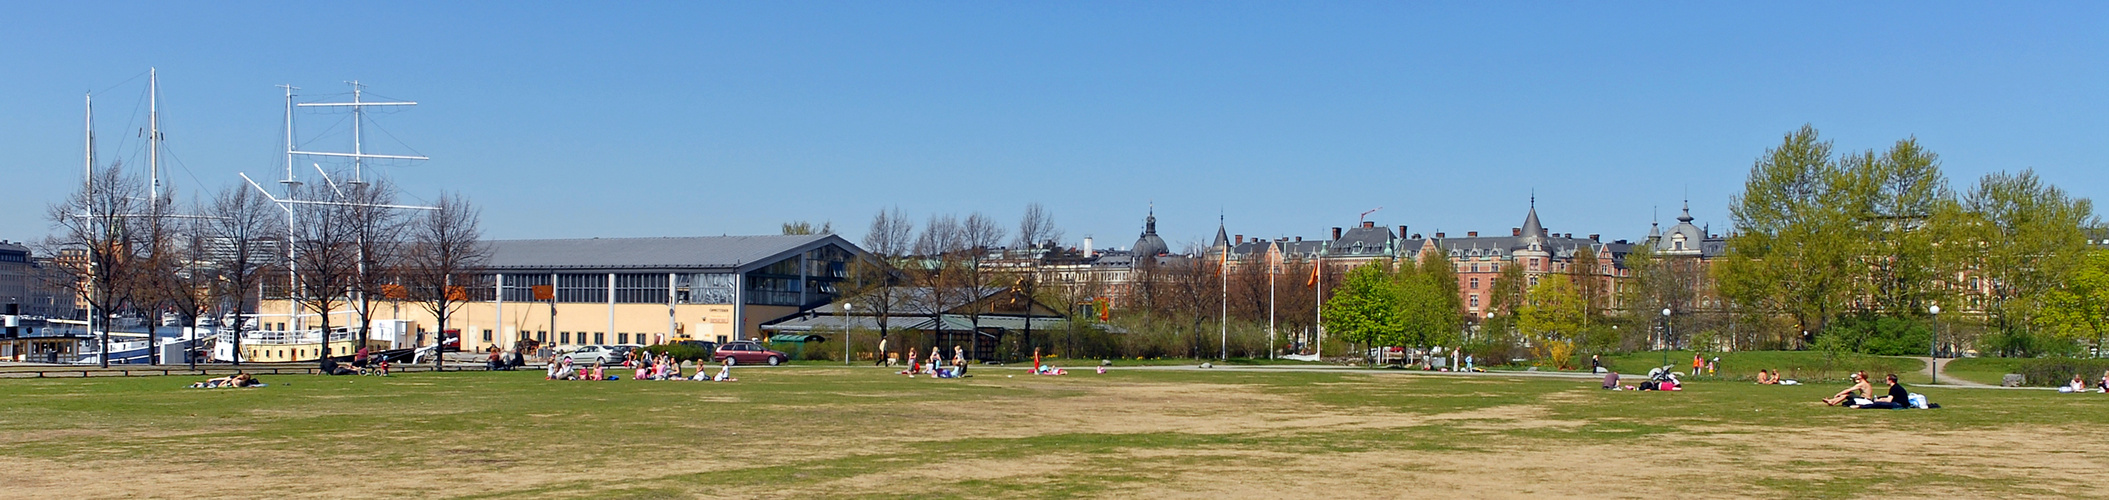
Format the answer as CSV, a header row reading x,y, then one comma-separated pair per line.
x,y
1661,379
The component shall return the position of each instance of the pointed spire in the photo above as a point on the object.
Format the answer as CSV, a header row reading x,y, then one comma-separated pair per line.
x,y
1533,232
1149,225
1687,217
1222,236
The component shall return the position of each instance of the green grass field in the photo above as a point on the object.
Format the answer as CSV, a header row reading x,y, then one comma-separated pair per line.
x,y
816,431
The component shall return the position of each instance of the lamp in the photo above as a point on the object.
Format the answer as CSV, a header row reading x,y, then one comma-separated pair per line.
x,y
1933,351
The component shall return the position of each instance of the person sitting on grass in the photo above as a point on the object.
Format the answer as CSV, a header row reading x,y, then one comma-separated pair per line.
x,y
2076,385
2103,385
1896,398
724,374
1860,386
564,371
912,367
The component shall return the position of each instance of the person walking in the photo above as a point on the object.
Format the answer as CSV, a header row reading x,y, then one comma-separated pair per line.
x,y
881,358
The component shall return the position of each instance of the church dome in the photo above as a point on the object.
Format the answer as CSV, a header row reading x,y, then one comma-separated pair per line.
x,y
1149,245
1683,238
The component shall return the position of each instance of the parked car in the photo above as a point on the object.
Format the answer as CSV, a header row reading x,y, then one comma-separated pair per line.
x,y
747,352
587,354
705,345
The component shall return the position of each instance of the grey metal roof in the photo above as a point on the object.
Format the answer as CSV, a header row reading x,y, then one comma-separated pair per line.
x,y
699,252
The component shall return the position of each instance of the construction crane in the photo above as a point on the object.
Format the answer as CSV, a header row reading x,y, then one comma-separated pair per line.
x,y
1365,215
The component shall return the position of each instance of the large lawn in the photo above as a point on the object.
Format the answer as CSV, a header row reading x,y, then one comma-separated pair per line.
x,y
807,431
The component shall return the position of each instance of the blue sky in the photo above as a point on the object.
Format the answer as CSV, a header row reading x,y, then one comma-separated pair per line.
x,y
587,119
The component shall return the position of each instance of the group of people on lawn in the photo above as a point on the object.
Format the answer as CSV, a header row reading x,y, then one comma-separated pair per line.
x,y
2080,385
645,366
936,366
1862,395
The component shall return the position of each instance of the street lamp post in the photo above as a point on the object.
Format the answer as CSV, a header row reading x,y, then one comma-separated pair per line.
x,y
1665,336
1933,352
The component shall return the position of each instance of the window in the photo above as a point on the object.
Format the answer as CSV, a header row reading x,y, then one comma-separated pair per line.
x,y
1496,267
582,288
640,288
486,335
563,337
521,287
622,338
597,339
541,336
1475,286
1475,301
1534,281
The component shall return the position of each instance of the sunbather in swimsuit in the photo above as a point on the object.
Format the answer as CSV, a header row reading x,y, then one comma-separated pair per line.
x,y
1860,386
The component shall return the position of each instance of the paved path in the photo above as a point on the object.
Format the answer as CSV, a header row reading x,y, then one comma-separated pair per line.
x,y
1942,365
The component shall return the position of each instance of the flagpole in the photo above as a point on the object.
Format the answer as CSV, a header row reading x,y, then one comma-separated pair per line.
x,y
1319,309
1223,323
1273,268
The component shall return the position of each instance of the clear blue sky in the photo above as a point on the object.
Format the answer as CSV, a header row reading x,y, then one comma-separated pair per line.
x,y
586,119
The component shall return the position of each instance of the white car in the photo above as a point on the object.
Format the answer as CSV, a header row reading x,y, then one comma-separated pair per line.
x,y
588,354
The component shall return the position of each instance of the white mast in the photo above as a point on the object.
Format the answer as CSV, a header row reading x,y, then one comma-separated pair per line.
x,y
1273,269
290,183
358,143
1320,307
153,141
88,155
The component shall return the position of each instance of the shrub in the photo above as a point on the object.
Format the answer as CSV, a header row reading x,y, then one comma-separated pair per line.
x,y
2051,372
680,352
1881,335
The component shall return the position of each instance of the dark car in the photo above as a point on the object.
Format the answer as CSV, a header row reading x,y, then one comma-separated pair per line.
x,y
705,345
748,352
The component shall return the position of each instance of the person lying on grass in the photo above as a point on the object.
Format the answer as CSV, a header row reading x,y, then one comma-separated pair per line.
x,y
1765,378
236,380
1860,386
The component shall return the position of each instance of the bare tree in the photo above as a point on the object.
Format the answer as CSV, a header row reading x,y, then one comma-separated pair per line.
x,y
446,250
377,233
94,224
1037,227
937,260
981,235
873,277
1037,236
325,257
154,287
806,228
194,281
241,229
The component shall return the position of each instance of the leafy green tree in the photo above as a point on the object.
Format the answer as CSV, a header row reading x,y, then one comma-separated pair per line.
x,y
1505,296
2080,309
1365,307
1553,319
1794,246
2028,240
1434,314
1904,200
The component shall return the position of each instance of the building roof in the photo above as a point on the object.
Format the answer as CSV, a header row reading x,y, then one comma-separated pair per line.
x,y
1149,245
742,253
